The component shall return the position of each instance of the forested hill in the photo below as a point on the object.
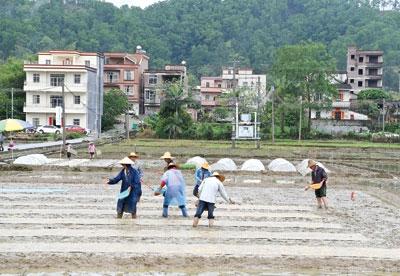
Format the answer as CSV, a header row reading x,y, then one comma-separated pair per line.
x,y
205,33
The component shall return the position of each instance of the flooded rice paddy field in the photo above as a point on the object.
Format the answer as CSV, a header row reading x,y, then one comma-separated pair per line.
x,y
62,221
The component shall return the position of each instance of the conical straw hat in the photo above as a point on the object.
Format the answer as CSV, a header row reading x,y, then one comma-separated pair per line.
x,y
167,155
126,161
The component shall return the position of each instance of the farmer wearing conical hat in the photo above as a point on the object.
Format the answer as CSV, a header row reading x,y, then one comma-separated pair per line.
x,y
318,178
201,173
208,191
167,158
130,180
135,158
175,193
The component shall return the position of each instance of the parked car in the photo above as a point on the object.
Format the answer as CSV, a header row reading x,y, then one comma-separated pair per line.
x,y
49,129
76,128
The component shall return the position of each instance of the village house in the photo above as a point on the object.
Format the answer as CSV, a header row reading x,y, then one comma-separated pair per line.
x,y
155,81
211,88
81,74
124,71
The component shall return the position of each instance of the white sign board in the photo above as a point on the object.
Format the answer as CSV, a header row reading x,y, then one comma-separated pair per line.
x,y
58,115
246,131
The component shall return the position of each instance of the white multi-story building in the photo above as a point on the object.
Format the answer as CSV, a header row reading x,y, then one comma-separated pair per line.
x,y
82,76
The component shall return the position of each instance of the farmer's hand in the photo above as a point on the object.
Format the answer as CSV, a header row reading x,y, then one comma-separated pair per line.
x,y
306,187
105,181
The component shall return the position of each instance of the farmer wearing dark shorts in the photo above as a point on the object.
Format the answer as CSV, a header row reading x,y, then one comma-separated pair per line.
x,y
208,191
318,175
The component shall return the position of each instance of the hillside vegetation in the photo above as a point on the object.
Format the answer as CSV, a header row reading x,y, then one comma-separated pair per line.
x,y
205,33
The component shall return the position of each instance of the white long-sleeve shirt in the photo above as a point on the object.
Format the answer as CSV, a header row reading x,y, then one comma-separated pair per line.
x,y
209,189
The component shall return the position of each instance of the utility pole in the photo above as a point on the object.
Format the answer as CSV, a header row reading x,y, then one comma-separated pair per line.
x,y
301,114
12,103
236,103
273,114
127,124
258,111
383,115
63,115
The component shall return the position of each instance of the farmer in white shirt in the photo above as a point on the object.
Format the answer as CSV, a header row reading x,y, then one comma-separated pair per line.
x,y
208,191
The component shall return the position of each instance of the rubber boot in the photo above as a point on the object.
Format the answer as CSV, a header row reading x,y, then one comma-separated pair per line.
x,y
165,212
184,212
195,222
210,222
134,215
119,215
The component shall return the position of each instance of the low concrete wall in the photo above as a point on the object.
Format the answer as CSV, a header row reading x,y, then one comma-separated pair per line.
x,y
339,127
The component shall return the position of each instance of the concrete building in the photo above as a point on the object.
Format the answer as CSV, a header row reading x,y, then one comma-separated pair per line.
x,y
341,105
154,82
82,76
124,71
364,69
242,78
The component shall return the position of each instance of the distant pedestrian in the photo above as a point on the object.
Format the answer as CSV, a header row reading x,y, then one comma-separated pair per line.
x,y
201,173
318,178
167,158
208,191
175,193
130,180
69,150
91,150
11,145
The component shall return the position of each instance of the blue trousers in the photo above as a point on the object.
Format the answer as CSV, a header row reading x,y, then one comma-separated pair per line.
x,y
203,205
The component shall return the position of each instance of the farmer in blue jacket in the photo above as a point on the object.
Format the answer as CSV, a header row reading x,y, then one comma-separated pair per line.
x,y
130,179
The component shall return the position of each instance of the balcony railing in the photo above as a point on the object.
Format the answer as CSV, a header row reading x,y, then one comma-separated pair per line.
x,y
340,104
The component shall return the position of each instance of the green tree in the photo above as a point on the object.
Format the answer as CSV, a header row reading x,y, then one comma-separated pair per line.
x,y
115,104
373,94
12,76
306,70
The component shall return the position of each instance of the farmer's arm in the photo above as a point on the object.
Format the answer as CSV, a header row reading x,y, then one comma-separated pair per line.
x,y
115,180
223,193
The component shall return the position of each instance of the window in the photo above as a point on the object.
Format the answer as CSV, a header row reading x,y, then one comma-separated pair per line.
x,y
36,78
361,59
35,122
360,71
229,72
153,79
76,122
77,99
318,115
55,101
352,56
207,97
67,61
36,99
219,85
87,63
360,83
56,79
351,80
48,61
128,75
128,90
150,95
207,84
77,78
112,77
351,68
